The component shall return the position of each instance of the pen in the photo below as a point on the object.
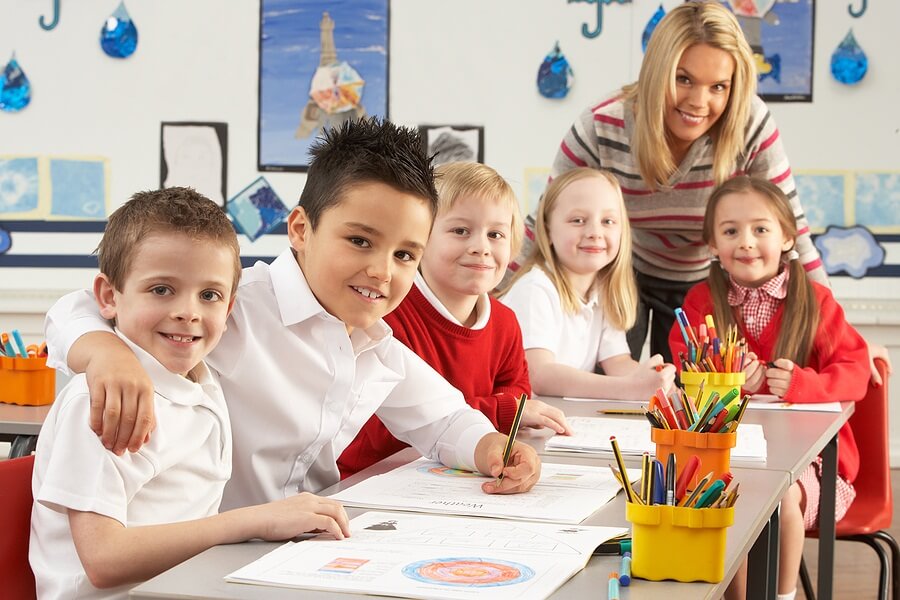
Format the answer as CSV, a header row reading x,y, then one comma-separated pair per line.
x,y
507,451
625,573
19,343
670,480
687,474
629,493
613,591
657,488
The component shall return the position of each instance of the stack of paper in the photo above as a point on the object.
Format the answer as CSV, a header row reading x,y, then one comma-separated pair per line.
x,y
591,435
564,494
432,556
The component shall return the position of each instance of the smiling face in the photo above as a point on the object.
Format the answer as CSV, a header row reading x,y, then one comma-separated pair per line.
x,y
702,88
175,298
468,250
748,238
361,259
585,229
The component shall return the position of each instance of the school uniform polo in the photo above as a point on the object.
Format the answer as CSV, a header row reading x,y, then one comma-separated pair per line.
x,y
299,388
579,340
178,476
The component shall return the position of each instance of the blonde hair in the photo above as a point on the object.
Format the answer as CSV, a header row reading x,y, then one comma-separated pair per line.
x,y
801,309
619,291
686,25
470,179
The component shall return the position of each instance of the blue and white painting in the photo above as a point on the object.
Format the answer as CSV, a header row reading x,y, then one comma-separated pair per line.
x,y
852,250
257,209
292,65
78,188
822,197
19,185
878,201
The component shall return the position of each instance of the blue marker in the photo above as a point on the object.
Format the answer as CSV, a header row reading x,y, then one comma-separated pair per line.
x,y
613,591
18,338
658,486
625,573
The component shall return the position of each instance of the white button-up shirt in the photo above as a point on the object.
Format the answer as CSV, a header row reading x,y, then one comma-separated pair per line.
x,y
299,388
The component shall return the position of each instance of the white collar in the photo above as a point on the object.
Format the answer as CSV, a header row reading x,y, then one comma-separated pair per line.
x,y
482,305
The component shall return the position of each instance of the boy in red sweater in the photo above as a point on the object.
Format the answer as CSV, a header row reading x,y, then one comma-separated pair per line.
x,y
449,319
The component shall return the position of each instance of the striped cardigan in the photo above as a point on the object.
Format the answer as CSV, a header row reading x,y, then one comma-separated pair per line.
x,y
667,224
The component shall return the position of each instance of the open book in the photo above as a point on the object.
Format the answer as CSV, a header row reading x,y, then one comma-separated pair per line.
x,y
434,556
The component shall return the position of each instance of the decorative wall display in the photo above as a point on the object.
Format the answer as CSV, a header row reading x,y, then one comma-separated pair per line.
x,y
195,154
781,37
651,25
591,33
257,209
119,36
52,22
852,250
321,62
78,188
555,76
19,187
453,143
848,62
15,89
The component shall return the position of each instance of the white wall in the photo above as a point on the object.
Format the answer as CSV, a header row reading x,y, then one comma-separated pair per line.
x,y
467,61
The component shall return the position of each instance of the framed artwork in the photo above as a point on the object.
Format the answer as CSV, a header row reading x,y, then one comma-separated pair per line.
x,y
195,155
321,63
781,35
453,143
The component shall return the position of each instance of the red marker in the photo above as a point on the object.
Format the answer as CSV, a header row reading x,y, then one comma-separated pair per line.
x,y
687,475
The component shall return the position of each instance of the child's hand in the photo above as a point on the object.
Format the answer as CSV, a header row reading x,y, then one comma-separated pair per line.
x,y
779,377
653,374
303,513
520,474
539,414
754,372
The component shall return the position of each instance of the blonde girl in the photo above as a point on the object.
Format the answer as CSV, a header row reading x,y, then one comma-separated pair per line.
x,y
801,347
575,295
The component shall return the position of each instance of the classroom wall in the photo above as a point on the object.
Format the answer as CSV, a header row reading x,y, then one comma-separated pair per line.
x,y
464,62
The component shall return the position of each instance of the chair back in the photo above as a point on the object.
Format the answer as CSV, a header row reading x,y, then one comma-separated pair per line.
x,y
15,528
873,483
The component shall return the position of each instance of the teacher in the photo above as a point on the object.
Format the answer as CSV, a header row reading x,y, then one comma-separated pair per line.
x,y
691,121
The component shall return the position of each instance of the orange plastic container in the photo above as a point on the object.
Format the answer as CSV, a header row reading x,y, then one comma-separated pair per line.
x,y
713,450
27,381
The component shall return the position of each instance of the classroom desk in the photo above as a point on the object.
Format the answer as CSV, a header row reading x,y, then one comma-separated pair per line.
x,y
20,425
793,440
202,576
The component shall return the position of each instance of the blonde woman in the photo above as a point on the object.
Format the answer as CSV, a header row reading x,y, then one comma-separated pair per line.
x,y
575,295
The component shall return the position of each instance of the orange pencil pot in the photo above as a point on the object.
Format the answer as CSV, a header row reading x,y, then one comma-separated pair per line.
x,y
713,450
27,381
722,383
685,544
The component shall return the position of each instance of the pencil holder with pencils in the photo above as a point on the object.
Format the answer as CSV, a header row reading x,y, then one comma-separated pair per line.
x,y
27,381
681,543
721,383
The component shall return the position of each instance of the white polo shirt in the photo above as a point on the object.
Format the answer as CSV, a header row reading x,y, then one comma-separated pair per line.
x,y
178,476
299,388
579,340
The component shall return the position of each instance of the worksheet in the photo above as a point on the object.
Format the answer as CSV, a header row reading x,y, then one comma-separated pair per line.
x,y
433,556
770,402
564,493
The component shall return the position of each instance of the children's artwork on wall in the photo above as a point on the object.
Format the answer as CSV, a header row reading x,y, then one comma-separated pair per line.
x,y
848,61
555,76
852,250
195,154
535,181
15,89
78,188
257,209
592,32
321,62
119,36
651,25
453,143
19,187
780,33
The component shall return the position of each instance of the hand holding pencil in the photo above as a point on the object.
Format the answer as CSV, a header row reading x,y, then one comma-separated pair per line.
x,y
515,465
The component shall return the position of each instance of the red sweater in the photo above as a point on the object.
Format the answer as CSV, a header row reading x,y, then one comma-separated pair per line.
x,y
837,369
487,365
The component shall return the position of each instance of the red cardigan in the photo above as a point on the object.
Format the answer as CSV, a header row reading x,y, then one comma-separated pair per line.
x,y
836,371
487,365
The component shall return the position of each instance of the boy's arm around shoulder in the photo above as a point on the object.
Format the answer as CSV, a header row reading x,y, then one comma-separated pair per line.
x,y
80,340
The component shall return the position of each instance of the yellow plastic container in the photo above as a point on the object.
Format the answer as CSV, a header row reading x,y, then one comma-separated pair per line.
x,y
27,381
720,382
713,450
685,544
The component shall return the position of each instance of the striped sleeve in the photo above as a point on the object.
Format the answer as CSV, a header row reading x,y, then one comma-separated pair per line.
x,y
766,157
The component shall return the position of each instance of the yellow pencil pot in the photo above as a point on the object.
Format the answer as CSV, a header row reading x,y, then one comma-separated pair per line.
x,y
713,450
685,544
26,381
722,383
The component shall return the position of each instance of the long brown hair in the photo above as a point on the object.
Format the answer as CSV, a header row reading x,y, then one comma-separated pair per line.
x,y
801,309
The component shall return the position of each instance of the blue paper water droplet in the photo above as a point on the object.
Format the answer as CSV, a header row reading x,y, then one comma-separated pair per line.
x,y
15,89
555,76
651,25
849,63
119,36
5,241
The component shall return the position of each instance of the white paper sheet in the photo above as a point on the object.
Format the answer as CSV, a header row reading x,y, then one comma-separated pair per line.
x,y
564,494
591,435
432,556
767,402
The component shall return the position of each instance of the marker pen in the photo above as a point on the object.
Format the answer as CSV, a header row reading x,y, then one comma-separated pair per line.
x,y
613,591
625,575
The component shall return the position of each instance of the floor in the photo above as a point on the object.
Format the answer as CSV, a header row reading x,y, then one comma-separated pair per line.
x,y
855,564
